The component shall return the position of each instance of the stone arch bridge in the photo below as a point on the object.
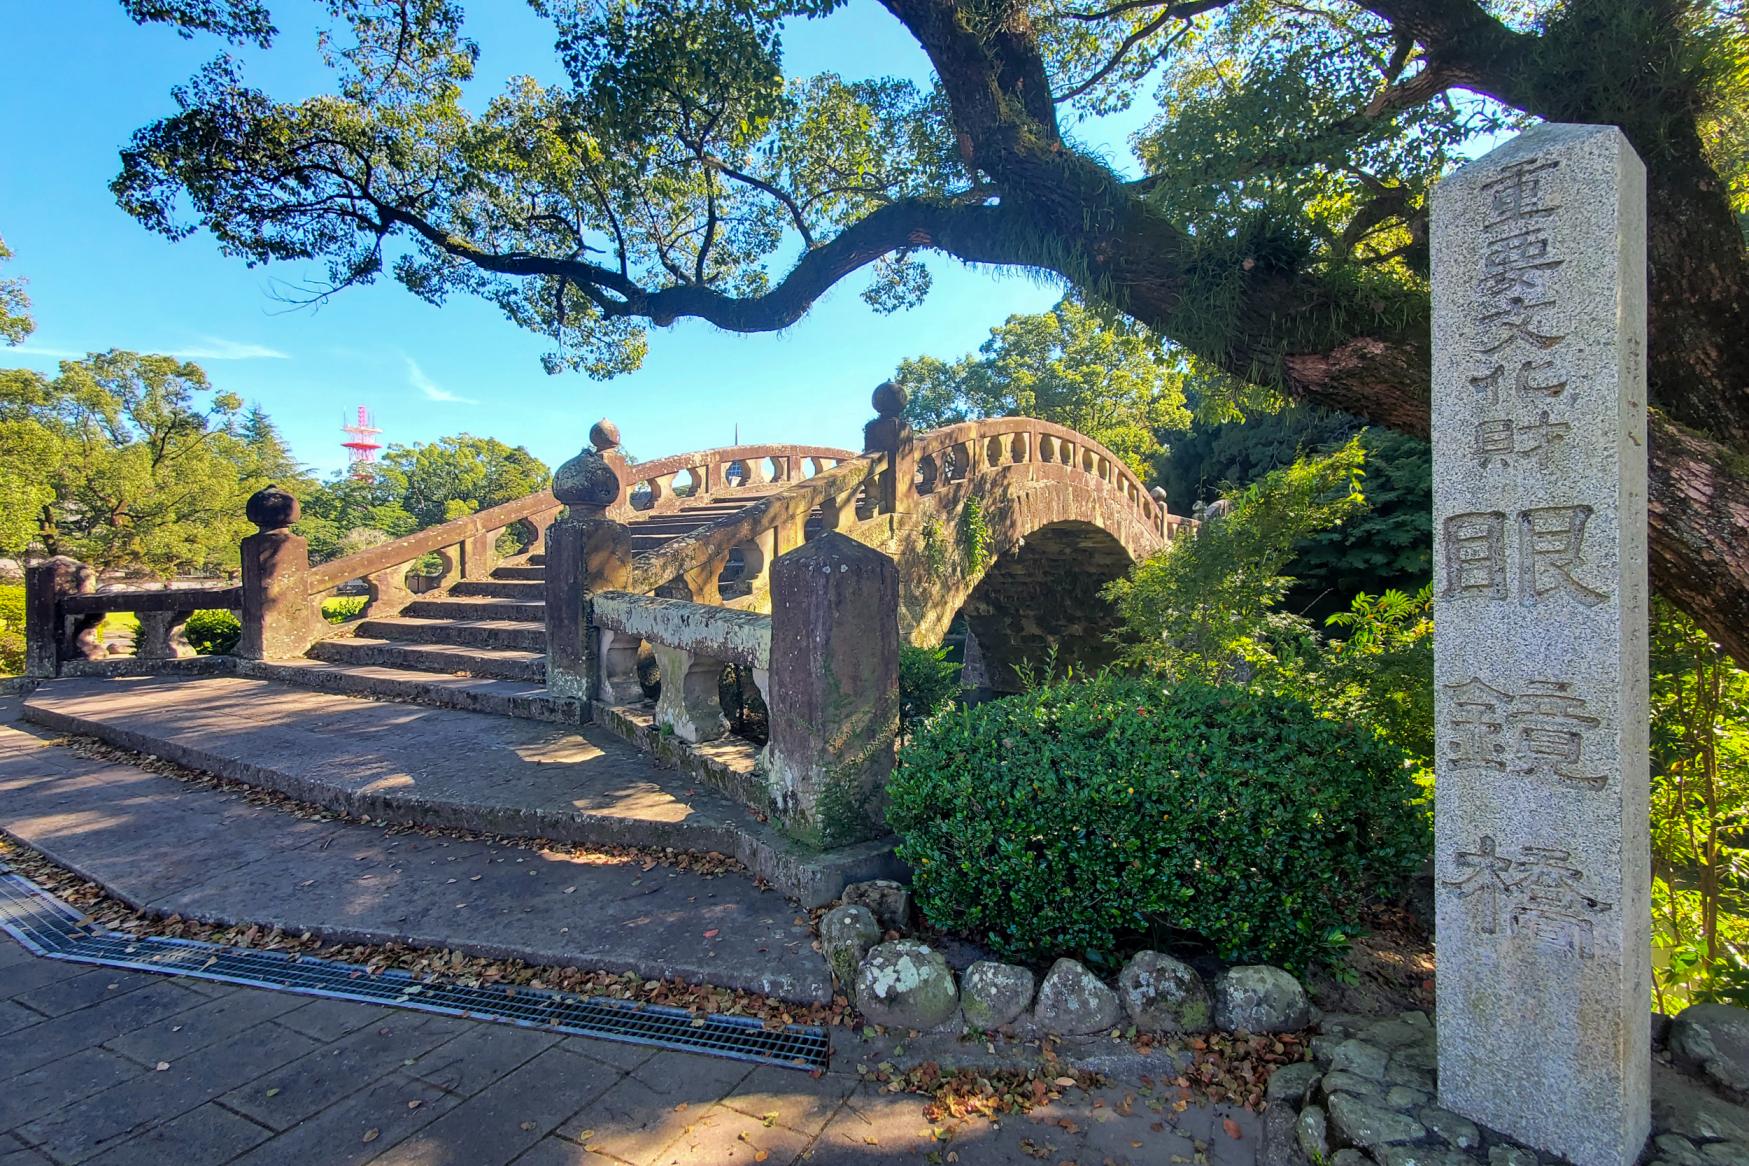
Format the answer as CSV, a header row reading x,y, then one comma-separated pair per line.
x,y
801,567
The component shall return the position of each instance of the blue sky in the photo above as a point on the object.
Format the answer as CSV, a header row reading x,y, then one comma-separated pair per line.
x,y
80,78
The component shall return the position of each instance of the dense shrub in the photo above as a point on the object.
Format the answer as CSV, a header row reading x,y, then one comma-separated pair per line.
x,y
11,628
1082,816
213,632
340,608
928,683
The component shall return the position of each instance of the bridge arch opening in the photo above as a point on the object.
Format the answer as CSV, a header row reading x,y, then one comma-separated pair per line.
x,y
1043,595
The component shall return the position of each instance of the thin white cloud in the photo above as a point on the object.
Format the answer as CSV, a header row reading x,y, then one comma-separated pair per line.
x,y
217,348
209,348
431,390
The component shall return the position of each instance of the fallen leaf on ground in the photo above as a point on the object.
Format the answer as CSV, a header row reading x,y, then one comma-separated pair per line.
x,y
1232,1128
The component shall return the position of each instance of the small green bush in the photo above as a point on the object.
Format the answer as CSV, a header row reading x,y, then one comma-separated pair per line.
x,y
11,628
340,608
213,632
928,683
1082,817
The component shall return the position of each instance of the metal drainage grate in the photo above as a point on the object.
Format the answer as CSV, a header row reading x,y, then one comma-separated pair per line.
x,y
51,928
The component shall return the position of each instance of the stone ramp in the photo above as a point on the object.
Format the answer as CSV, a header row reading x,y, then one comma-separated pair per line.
x,y
427,766
161,845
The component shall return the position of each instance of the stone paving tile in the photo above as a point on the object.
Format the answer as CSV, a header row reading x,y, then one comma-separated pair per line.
x,y
32,972
722,1135
100,1121
480,1056
82,991
800,1101
319,1079
620,1054
27,1048
61,1083
631,1122
871,1120
508,1116
15,1015
17,1154
375,1117
329,1020
207,1136
205,1024
692,1077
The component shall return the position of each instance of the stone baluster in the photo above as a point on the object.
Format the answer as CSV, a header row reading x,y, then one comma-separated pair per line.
x,y
541,523
587,552
833,687
690,704
49,636
479,554
160,636
389,592
279,619
701,582
618,682
889,433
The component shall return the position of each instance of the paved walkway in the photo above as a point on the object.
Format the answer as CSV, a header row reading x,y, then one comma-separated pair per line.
x,y
157,843
112,1067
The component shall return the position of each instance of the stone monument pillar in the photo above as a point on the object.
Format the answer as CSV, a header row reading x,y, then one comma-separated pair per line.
x,y
49,636
279,617
833,690
586,552
1539,505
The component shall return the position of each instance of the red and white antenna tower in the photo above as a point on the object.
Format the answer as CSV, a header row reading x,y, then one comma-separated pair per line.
x,y
361,451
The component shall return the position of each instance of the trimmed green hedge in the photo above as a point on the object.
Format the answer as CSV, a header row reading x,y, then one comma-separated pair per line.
x,y
1082,817
11,628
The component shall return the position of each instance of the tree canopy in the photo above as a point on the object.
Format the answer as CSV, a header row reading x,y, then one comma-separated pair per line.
x,y
131,461
15,321
416,486
1118,386
1277,232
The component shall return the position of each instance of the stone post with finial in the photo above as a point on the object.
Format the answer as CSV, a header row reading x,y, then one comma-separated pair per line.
x,y
49,636
890,433
587,552
279,618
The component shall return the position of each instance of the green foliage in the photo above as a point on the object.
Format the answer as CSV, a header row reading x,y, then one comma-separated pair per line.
x,y
1388,545
1700,811
1115,383
11,628
416,486
934,549
1208,607
1081,817
340,608
213,632
975,538
15,321
1381,674
928,683
124,460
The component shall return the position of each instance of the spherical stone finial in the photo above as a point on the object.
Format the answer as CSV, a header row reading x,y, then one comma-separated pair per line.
x,y
1158,494
586,481
271,508
890,399
604,435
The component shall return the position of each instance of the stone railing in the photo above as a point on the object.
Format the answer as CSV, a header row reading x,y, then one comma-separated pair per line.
x,y
685,479
960,452
467,547
771,527
64,610
692,642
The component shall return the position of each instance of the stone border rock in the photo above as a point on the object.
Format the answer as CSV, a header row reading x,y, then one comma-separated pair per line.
x,y
1369,1096
907,984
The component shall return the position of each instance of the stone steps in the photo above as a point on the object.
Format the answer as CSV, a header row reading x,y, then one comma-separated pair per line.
x,y
520,572
521,635
395,762
527,592
506,698
451,607
447,657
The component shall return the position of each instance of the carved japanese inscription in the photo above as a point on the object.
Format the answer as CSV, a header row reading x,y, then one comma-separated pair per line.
x,y
1541,867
